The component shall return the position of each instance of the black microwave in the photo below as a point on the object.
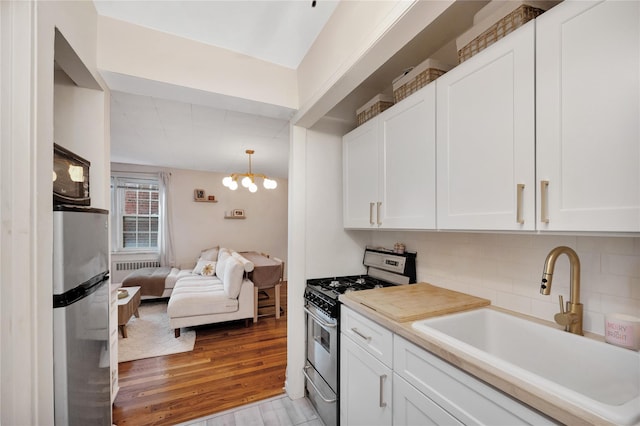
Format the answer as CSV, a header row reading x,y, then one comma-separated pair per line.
x,y
70,178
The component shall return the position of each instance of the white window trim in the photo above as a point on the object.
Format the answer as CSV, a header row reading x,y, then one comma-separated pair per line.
x,y
116,209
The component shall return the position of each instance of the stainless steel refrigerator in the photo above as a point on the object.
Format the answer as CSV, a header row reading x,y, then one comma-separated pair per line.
x,y
81,361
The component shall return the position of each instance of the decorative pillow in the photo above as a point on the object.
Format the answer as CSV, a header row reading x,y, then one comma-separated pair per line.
x,y
223,256
210,254
205,267
233,273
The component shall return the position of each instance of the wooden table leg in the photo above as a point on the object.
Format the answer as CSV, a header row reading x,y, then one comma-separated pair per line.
x,y
278,301
123,330
255,304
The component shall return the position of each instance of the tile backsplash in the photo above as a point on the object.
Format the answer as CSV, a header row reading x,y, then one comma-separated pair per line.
x,y
507,268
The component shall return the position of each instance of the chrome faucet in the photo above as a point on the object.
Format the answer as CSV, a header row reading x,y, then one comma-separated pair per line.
x,y
571,317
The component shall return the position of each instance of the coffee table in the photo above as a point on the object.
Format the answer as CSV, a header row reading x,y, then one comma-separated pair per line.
x,y
128,306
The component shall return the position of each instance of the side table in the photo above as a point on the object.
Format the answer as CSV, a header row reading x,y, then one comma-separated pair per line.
x,y
128,306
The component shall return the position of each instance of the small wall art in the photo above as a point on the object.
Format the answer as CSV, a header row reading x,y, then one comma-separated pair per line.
x,y
198,194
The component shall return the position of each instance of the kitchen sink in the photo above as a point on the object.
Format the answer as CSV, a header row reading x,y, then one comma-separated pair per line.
x,y
590,374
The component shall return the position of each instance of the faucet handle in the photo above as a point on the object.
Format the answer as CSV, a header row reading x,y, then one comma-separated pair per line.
x,y
561,300
564,317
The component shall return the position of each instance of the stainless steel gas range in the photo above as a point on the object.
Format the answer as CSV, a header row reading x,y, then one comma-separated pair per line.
x,y
384,268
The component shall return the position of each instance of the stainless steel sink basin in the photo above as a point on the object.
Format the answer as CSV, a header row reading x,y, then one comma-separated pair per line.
x,y
593,375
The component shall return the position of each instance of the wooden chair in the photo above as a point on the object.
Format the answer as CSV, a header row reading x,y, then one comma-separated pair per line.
x,y
277,289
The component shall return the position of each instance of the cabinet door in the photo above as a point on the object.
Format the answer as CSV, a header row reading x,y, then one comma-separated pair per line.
x,y
588,109
485,138
411,407
365,387
360,174
409,165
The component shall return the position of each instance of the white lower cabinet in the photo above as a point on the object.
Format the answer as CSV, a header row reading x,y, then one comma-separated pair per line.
x,y
366,378
453,391
365,387
411,386
410,407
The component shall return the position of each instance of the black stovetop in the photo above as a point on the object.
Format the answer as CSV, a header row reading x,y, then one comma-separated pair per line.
x,y
335,286
323,293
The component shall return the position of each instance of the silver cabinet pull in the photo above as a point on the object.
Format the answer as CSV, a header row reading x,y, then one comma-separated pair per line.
x,y
367,338
371,213
519,194
324,398
382,403
544,201
378,213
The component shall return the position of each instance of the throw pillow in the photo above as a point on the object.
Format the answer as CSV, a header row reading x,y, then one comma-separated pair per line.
x,y
205,267
210,254
232,282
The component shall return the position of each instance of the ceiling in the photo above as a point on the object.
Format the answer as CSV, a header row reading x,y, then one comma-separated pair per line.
x,y
155,131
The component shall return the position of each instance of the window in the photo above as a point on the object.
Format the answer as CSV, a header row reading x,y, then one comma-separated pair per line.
x,y
136,206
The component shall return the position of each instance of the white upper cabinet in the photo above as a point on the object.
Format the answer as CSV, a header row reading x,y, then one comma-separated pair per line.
x,y
588,117
389,167
360,175
486,139
409,162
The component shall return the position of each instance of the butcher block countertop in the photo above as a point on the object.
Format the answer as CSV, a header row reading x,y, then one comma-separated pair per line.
x,y
397,307
416,301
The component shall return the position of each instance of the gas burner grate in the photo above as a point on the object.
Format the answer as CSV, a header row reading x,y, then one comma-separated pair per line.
x,y
340,285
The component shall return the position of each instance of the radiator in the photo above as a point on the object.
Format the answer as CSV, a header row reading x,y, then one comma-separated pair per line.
x,y
121,268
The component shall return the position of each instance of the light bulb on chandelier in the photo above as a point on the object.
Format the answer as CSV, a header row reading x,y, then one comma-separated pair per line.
x,y
248,179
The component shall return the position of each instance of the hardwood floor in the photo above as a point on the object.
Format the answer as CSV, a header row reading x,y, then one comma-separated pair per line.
x,y
230,365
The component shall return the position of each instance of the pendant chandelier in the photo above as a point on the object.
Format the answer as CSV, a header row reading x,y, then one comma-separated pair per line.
x,y
248,179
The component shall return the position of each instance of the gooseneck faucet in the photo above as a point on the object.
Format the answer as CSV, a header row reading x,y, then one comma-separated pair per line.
x,y
571,317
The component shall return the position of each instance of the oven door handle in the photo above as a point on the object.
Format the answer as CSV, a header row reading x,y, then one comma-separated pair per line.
x,y
318,319
324,398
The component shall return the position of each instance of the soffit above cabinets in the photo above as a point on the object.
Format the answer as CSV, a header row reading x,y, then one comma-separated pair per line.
x,y
436,40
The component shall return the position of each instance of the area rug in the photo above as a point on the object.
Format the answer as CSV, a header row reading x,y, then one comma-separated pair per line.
x,y
150,335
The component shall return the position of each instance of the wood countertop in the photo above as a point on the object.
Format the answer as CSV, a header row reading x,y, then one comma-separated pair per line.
x,y
396,308
416,301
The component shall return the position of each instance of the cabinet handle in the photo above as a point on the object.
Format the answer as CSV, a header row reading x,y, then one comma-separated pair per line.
x,y
544,199
520,193
371,213
382,403
378,213
355,330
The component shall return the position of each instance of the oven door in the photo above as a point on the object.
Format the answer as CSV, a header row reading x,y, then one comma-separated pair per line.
x,y
322,345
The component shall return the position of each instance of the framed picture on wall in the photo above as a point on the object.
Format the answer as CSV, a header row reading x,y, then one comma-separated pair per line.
x,y
198,194
237,213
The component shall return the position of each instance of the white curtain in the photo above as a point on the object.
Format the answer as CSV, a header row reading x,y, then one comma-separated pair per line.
x,y
167,257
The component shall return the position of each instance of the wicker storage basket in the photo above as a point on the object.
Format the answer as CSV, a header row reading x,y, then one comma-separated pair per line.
x,y
417,78
372,108
494,27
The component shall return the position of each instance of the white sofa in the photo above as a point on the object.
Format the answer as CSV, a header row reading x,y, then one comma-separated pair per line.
x,y
201,298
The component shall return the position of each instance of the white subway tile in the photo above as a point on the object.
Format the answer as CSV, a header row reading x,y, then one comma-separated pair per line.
x,y
513,302
617,264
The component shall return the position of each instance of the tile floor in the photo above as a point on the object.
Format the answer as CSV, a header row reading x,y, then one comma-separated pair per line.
x,y
277,411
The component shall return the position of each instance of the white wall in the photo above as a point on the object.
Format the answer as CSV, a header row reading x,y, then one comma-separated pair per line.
x,y
507,268
198,226
26,341
79,126
318,244
330,251
183,62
